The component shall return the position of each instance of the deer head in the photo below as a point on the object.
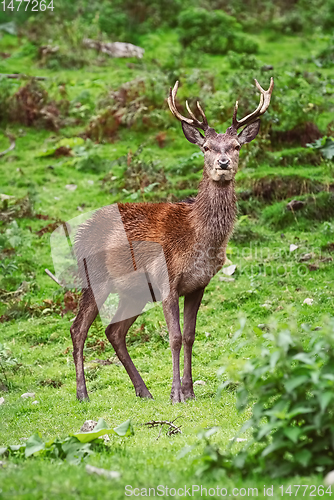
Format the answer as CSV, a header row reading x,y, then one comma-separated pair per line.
x,y
221,151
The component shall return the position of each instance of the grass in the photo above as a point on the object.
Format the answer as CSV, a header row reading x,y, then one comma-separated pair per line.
x,y
270,282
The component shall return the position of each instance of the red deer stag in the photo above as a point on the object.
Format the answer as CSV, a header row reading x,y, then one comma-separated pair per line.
x,y
193,236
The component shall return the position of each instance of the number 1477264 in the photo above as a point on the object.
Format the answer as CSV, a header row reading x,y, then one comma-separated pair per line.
x,y
27,5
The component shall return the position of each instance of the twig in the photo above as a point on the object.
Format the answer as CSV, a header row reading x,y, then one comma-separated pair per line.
x,y
21,75
12,145
49,273
172,428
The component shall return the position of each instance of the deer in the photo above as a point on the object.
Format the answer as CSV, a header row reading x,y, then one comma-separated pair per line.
x,y
193,235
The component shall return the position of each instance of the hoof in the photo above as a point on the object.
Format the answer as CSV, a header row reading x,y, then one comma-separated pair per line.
x,y
188,394
177,396
82,397
144,393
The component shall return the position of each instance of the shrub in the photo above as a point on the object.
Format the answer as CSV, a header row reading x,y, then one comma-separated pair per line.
x,y
325,145
140,102
213,31
290,387
317,208
135,176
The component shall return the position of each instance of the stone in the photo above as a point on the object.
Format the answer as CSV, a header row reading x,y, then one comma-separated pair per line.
x,y
28,395
110,474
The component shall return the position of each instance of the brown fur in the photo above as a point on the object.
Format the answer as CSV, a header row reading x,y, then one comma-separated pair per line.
x,y
193,236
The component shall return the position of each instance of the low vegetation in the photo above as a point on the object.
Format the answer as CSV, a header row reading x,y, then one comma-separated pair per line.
x,y
80,130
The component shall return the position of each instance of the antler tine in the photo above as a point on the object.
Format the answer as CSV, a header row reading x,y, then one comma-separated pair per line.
x,y
202,113
193,120
260,110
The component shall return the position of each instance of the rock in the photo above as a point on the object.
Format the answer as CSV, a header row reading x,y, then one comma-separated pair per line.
x,y
326,259
199,382
313,267
329,478
71,187
115,49
263,326
229,270
207,334
110,474
294,205
307,256
308,301
28,395
35,402
267,67
293,247
89,426
2,400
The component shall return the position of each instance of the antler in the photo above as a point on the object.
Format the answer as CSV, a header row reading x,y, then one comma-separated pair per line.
x,y
260,110
193,120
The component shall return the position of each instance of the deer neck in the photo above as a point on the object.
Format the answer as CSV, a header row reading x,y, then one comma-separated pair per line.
x,y
214,211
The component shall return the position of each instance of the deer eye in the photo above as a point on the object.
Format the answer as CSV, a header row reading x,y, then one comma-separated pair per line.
x,y
237,148
206,148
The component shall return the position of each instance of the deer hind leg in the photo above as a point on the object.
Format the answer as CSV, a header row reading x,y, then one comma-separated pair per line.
x,y
116,333
191,306
88,311
172,317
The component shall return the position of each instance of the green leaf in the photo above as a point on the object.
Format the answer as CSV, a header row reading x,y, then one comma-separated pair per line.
x,y
292,433
34,444
258,331
275,445
265,430
324,399
295,382
284,339
299,410
75,451
125,429
16,447
274,358
46,152
70,142
100,429
303,457
187,449
302,356
328,149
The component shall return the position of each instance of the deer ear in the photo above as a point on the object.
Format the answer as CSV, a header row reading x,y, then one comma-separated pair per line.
x,y
249,133
192,134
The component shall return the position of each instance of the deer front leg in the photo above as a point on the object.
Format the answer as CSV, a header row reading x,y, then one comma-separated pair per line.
x,y
191,306
172,316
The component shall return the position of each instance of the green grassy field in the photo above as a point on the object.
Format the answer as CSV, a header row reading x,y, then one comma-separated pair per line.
x,y
270,283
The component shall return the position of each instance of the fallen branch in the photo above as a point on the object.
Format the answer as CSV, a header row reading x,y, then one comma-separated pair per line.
x,y
11,147
49,273
21,75
172,428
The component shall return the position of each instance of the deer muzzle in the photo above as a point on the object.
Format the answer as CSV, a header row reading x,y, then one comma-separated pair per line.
x,y
224,164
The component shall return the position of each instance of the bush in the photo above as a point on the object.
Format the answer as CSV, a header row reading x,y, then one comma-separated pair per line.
x,y
125,20
290,387
138,103
213,32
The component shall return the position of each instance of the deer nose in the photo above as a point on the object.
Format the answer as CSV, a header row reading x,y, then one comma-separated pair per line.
x,y
224,163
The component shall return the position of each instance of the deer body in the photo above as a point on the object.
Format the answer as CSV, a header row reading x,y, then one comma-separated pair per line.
x,y
193,236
